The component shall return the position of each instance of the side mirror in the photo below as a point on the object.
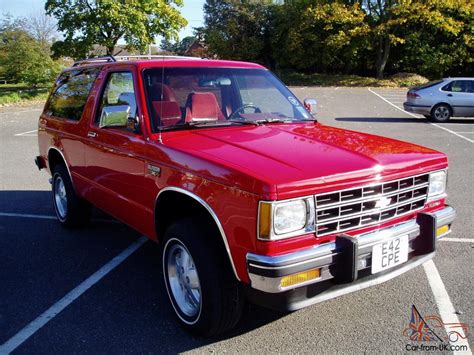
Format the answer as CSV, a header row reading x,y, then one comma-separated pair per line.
x,y
114,116
311,105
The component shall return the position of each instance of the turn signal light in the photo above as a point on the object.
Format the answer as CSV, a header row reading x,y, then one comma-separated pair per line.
x,y
442,230
300,277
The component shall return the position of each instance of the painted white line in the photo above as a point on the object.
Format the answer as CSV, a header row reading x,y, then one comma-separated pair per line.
x,y
26,133
457,124
465,132
445,306
460,240
417,116
23,335
42,216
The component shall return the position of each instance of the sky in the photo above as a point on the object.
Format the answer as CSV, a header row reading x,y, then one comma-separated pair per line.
x,y
192,11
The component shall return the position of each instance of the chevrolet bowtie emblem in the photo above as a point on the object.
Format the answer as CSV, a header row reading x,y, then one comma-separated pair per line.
x,y
383,202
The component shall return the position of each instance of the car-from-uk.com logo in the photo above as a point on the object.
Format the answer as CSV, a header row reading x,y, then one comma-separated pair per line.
x,y
429,329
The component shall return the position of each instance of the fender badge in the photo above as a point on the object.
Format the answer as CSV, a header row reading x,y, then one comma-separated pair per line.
x,y
154,170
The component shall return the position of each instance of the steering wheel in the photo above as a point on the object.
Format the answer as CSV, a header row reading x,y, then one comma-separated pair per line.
x,y
237,110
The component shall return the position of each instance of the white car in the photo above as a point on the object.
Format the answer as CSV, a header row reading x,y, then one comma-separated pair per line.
x,y
442,99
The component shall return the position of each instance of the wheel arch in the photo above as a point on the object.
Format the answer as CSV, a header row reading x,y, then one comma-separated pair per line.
x,y
443,103
166,204
55,157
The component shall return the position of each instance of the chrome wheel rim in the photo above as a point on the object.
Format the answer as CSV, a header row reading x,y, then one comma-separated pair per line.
x,y
183,279
442,112
60,197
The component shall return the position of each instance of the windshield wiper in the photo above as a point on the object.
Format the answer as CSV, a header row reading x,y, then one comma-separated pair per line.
x,y
198,124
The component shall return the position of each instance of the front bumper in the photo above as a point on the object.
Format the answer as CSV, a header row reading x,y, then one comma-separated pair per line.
x,y
345,265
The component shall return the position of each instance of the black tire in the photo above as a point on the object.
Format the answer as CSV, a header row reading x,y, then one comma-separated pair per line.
x,y
74,212
441,113
221,298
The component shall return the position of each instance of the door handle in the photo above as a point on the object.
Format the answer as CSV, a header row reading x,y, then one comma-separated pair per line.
x,y
91,134
450,95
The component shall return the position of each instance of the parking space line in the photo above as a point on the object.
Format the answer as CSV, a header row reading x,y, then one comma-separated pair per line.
x,y
445,306
41,216
23,335
27,133
460,240
411,114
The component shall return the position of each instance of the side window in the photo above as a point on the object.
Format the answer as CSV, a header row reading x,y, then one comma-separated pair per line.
x,y
118,91
459,86
70,93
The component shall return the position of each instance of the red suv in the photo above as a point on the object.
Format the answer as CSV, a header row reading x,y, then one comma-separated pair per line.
x,y
250,197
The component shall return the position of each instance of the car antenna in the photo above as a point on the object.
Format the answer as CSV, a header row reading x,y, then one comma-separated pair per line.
x,y
160,138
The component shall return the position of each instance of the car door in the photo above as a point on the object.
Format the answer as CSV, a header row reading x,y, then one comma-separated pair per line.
x,y
460,95
114,155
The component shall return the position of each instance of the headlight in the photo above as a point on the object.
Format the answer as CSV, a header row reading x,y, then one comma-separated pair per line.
x,y
437,183
278,220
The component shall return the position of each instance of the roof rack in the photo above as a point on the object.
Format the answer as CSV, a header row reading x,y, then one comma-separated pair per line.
x,y
151,57
105,59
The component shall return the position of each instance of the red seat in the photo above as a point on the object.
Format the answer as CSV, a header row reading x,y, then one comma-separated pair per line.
x,y
203,106
168,112
162,92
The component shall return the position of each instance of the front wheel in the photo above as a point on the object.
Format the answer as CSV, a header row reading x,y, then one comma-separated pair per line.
x,y
70,209
441,113
200,284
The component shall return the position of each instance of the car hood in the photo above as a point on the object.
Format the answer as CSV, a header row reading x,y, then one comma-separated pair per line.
x,y
293,159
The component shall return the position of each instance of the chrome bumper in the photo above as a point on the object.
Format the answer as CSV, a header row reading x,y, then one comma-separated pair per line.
x,y
349,258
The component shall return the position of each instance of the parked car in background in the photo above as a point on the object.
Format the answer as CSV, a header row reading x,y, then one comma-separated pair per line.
x,y
250,197
440,100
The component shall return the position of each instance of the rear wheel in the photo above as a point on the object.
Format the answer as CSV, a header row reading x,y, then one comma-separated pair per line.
x,y
201,287
71,210
441,113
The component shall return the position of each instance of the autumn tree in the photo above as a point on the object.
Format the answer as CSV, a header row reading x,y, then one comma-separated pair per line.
x,y
85,23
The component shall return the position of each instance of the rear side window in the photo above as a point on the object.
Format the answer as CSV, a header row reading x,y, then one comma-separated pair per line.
x,y
459,86
70,93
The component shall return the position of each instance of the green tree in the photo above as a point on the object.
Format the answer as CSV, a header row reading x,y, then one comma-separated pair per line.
x,y
238,29
85,23
179,47
24,59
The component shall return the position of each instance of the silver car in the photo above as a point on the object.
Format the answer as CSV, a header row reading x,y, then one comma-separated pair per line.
x,y
442,99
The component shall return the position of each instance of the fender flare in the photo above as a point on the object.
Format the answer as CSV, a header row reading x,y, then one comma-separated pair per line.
x,y
213,215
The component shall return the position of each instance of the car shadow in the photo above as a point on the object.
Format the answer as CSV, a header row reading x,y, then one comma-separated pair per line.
x,y
398,120
129,308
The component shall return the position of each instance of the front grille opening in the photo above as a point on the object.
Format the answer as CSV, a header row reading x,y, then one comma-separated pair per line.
x,y
420,192
421,179
327,199
370,218
368,205
406,183
351,195
417,204
349,223
372,190
327,214
390,187
326,228
405,196
351,209
388,214
404,209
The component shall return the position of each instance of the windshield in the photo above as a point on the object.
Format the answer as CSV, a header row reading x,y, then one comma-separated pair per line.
x,y
183,97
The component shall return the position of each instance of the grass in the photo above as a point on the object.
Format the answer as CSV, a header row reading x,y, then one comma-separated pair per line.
x,y
8,98
315,79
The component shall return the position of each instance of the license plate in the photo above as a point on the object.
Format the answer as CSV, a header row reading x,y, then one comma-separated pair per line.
x,y
389,254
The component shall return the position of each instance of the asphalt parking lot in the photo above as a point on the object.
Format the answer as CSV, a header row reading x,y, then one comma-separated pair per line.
x,y
54,300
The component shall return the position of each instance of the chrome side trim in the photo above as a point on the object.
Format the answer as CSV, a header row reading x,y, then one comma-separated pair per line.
x,y
211,212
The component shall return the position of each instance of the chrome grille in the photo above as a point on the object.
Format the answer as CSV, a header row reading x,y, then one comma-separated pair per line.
x,y
359,207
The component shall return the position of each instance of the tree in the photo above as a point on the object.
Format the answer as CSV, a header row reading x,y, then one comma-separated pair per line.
x,y
23,59
43,28
238,29
104,22
179,47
